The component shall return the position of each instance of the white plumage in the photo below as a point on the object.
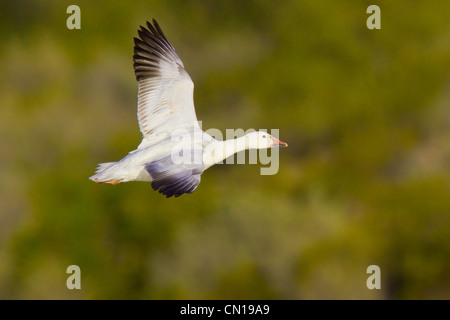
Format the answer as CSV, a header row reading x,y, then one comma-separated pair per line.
x,y
174,150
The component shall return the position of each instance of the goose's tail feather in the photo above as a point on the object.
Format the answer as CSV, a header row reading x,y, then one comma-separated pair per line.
x,y
106,174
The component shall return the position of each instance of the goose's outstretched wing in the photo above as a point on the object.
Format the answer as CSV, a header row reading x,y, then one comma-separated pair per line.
x,y
166,91
175,179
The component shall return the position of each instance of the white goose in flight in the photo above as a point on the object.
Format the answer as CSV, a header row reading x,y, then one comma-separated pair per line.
x,y
167,120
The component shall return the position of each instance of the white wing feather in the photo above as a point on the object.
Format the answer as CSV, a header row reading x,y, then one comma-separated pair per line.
x,y
166,91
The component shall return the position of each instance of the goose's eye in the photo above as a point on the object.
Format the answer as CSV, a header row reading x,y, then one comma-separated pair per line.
x,y
264,136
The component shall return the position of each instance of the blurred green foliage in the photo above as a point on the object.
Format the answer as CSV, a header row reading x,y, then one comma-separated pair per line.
x,y
365,179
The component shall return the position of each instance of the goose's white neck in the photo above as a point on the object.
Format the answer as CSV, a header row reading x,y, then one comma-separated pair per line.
x,y
218,151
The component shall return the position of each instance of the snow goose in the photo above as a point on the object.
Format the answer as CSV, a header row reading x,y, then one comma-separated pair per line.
x,y
166,116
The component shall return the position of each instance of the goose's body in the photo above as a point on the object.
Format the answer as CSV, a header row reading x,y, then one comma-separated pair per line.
x,y
174,150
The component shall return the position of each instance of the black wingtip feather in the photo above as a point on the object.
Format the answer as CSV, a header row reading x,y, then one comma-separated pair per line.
x,y
151,45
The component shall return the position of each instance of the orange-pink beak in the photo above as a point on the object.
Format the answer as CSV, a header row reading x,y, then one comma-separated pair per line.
x,y
278,143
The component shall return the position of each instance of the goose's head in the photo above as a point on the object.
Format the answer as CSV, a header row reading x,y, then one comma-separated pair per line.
x,y
262,140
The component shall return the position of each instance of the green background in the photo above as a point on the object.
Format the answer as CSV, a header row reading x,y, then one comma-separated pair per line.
x,y
365,179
